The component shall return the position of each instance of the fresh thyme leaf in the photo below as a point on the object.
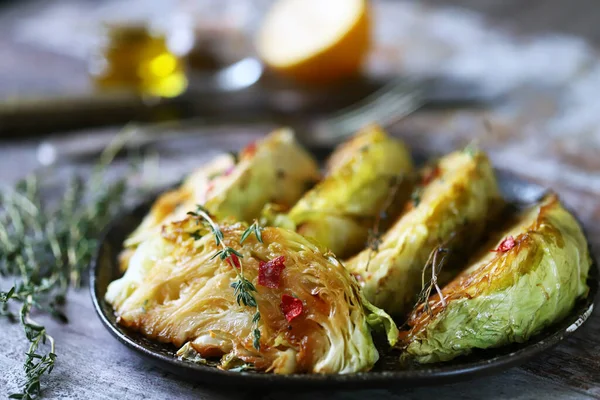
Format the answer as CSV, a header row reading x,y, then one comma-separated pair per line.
x,y
4,297
243,289
231,251
256,341
203,213
218,236
258,232
228,253
256,318
218,253
245,235
235,156
196,235
201,208
254,228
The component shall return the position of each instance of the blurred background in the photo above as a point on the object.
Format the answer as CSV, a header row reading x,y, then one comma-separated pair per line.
x,y
518,79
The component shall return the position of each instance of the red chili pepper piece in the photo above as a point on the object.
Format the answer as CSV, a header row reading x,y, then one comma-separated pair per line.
x,y
210,187
269,273
250,149
505,245
234,261
229,170
291,307
431,175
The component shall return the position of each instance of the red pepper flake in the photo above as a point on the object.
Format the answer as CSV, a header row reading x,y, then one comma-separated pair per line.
x,y
234,261
250,149
291,307
431,175
229,170
505,245
210,186
269,273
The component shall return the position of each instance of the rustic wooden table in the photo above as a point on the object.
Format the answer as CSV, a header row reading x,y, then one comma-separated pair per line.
x,y
545,129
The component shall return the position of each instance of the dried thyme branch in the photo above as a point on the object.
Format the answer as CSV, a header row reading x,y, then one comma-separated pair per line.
x,y
435,262
374,239
48,248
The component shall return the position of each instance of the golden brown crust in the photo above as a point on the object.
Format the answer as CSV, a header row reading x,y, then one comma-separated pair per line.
x,y
489,274
187,297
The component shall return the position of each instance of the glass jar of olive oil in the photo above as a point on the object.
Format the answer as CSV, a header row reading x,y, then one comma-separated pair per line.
x,y
133,56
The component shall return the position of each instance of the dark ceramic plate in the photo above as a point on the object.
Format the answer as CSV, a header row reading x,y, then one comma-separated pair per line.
x,y
388,371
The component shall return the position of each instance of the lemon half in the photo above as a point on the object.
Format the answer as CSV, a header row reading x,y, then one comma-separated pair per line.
x,y
315,40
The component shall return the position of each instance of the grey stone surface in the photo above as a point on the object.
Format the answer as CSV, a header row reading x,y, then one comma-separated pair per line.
x,y
547,130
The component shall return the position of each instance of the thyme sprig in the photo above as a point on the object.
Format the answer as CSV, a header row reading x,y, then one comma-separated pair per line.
x,y
243,288
434,263
47,247
35,364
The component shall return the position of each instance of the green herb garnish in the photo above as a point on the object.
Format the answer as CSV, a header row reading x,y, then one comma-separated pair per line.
x,y
415,196
254,228
243,288
47,247
234,156
196,235
471,150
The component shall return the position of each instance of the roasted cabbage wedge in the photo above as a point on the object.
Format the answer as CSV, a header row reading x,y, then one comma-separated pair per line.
x,y
176,291
527,278
456,195
366,176
274,169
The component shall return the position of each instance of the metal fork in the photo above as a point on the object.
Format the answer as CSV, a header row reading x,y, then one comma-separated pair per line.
x,y
392,102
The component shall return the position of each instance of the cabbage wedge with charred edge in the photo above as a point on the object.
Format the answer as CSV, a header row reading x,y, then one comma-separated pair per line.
x,y
368,177
176,291
528,278
274,169
450,207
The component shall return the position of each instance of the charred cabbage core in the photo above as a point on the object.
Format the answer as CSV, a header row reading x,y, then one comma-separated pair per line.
x,y
312,316
529,278
274,169
369,175
457,196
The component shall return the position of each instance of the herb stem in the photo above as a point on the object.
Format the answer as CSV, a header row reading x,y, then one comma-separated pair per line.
x,y
243,288
219,241
374,235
